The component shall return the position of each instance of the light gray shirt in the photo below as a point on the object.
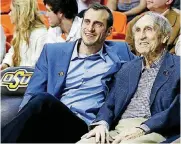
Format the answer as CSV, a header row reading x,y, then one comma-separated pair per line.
x,y
140,103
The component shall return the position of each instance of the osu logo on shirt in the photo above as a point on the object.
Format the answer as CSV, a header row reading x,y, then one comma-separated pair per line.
x,y
14,80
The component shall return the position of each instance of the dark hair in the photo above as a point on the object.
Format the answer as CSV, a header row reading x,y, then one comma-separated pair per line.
x,y
97,6
175,4
68,7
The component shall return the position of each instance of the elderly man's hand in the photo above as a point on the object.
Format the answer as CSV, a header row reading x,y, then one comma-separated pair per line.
x,y
100,132
128,135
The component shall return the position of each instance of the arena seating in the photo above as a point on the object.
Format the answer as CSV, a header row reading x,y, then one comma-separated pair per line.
x,y
104,2
14,81
8,29
41,5
119,26
5,6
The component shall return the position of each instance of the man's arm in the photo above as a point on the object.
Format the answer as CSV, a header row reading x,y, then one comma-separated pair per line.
x,y
137,9
118,91
38,82
112,4
167,119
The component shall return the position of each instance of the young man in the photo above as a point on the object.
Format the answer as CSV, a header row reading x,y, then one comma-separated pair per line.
x,y
164,8
64,24
144,104
69,84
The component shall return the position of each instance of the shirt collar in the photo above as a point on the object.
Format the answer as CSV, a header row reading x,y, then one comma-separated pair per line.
x,y
165,12
75,25
76,55
157,63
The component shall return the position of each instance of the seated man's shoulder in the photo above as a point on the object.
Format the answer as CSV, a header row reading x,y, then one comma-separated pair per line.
x,y
59,46
129,64
117,46
174,18
174,12
176,59
52,49
111,43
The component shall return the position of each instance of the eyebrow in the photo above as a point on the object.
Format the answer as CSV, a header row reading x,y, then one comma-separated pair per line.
x,y
94,21
137,26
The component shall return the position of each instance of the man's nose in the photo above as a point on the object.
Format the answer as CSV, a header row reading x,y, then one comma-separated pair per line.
x,y
142,35
91,27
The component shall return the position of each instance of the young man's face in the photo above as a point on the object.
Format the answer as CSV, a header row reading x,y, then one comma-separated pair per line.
x,y
53,18
147,36
94,27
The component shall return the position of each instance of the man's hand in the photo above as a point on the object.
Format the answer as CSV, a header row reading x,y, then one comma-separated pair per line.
x,y
128,135
100,132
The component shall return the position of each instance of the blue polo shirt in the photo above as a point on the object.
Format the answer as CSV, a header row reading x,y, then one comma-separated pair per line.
x,y
83,93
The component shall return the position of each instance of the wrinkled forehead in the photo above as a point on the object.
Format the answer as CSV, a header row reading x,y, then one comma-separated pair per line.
x,y
99,15
145,21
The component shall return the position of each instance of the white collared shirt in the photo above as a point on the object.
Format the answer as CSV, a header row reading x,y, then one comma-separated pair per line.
x,y
54,34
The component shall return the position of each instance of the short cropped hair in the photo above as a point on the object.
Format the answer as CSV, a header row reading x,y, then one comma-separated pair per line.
x,y
68,7
159,20
97,6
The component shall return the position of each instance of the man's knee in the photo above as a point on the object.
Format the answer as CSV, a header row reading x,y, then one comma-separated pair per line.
x,y
43,97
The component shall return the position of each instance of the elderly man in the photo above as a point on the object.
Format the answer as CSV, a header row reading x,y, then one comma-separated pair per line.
x,y
69,85
164,8
143,106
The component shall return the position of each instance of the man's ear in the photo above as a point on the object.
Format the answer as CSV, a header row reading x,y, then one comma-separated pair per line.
x,y
109,31
59,14
165,39
169,2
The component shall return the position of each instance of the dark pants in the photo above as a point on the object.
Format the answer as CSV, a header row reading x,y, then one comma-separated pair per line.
x,y
44,119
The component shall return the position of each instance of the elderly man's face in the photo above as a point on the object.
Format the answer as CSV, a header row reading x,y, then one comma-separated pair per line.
x,y
94,27
147,36
157,4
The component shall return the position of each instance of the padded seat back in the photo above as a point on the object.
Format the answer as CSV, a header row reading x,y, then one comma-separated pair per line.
x,y
14,81
119,26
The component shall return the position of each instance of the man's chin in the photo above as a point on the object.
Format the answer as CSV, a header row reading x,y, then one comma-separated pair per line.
x,y
88,43
52,26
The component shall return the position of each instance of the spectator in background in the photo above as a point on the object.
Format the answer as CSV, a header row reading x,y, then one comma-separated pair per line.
x,y
84,4
3,44
162,7
64,24
129,7
29,36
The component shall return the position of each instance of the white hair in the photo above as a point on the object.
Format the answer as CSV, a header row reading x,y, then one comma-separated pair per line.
x,y
159,20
